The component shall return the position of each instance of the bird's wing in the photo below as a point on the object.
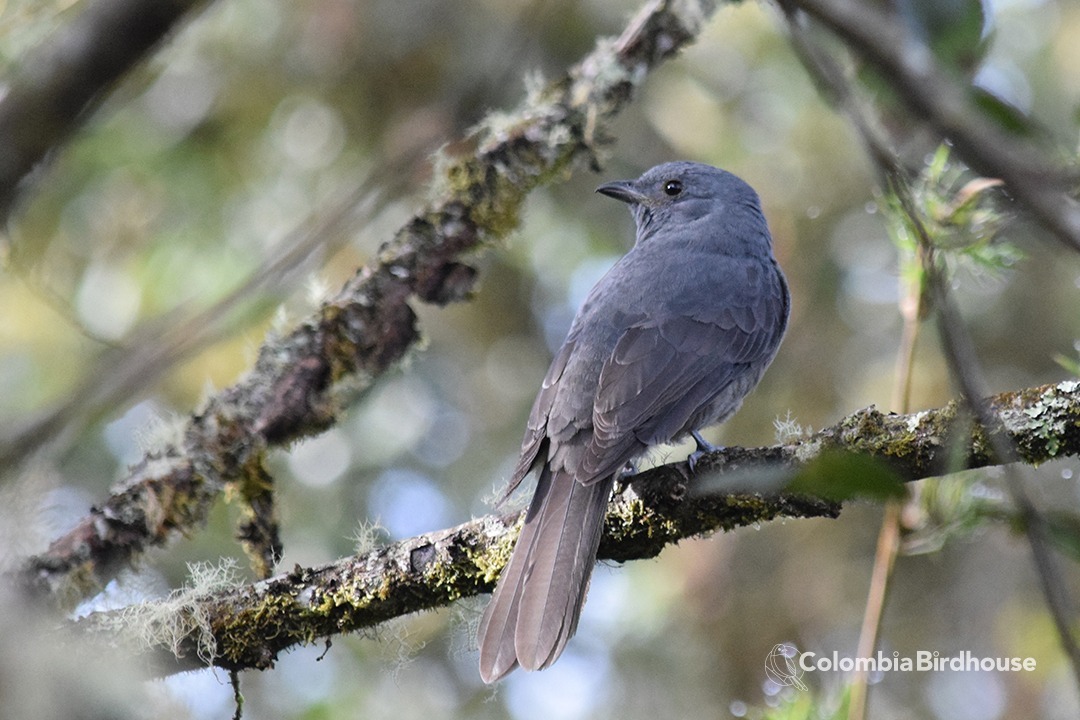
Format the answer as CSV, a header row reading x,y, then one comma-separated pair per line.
x,y
665,370
536,428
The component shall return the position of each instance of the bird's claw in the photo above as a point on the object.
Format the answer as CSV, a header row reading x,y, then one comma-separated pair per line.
x,y
703,448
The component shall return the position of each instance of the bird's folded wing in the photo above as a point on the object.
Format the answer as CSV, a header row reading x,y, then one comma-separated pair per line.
x,y
662,373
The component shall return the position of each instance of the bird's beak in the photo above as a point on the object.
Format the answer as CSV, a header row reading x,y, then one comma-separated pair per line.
x,y
623,190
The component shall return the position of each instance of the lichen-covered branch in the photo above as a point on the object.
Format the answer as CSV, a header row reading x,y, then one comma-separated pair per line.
x,y
247,627
302,379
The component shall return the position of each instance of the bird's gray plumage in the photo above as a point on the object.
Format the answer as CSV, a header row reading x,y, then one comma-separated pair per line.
x,y
670,340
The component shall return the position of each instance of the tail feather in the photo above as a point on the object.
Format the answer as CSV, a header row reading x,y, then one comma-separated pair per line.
x,y
495,635
535,608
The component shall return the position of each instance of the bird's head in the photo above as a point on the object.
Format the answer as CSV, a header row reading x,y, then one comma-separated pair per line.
x,y
678,194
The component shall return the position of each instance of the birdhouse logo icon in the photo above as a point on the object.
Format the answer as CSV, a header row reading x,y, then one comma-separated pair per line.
x,y
782,666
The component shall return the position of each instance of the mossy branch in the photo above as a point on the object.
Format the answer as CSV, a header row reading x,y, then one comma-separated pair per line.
x,y
302,379
247,627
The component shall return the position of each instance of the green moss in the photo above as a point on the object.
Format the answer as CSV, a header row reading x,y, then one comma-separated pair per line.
x,y
449,580
493,558
274,617
493,198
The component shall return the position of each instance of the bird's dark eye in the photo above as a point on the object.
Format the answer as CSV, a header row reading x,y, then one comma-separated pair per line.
x,y
672,187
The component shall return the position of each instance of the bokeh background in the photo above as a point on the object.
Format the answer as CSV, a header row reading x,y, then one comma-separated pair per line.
x,y
256,118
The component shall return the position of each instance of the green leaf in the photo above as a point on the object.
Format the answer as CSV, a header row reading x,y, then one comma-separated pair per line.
x,y
1007,116
956,30
843,476
1070,364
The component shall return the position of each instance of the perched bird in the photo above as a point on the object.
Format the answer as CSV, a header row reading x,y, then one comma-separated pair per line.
x,y
670,340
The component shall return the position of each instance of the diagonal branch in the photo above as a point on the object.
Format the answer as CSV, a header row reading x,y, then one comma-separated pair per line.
x,y
301,380
247,627
1032,177
65,79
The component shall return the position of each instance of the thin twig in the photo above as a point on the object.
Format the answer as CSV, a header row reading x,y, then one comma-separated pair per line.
x,y
888,542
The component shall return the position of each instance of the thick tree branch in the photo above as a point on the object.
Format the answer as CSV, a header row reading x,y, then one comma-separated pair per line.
x,y
301,380
63,81
932,94
247,627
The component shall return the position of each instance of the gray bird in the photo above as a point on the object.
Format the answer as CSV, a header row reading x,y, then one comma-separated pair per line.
x,y
670,340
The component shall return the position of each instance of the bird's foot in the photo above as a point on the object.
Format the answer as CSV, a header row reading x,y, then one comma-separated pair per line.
x,y
703,447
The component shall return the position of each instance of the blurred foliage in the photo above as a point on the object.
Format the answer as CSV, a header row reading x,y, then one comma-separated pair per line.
x,y
843,476
961,216
1070,364
1063,529
249,123
806,706
953,508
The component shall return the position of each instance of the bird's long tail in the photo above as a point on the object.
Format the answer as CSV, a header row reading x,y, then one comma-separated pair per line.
x,y
534,610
